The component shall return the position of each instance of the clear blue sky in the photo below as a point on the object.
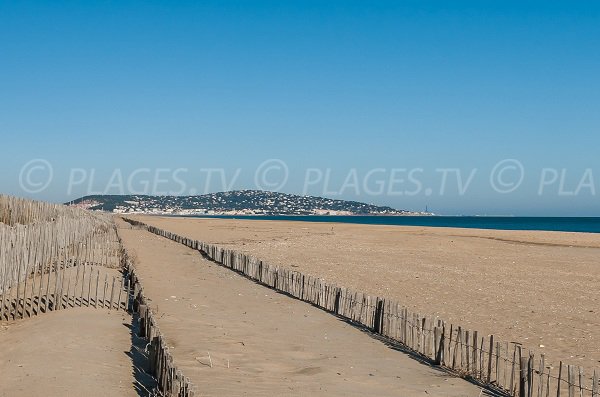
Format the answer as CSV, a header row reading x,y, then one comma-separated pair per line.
x,y
324,84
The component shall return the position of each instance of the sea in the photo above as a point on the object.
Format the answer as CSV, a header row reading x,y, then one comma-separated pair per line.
x,y
562,224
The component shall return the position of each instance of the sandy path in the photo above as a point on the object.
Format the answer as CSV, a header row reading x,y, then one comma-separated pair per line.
x,y
539,288
263,343
74,352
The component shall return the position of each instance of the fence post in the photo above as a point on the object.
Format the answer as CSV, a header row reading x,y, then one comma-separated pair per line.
x,y
490,355
541,378
112,294
439,358
128,295
571,378
522,376
559,379
142,310
378,316
97,283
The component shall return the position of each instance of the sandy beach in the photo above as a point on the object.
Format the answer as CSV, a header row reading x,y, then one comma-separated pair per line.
x,y
233,337
537,288
73,352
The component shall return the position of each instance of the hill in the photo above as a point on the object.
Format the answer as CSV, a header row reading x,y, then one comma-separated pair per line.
x,y
240,202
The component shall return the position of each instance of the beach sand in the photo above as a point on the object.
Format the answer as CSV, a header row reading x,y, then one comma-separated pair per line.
x,y
71,352
537,288
233,337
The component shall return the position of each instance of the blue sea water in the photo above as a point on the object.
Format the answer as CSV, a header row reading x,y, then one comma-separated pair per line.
x,y
563,224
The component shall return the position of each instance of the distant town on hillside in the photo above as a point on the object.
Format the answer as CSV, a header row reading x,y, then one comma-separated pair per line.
x,y
240,202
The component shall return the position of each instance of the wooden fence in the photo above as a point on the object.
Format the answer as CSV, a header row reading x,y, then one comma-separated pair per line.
x,y
506,368
170,380
69,284
19,211
36,236
53,257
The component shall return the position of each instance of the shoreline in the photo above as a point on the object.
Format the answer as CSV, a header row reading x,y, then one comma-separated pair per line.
x,y
459,221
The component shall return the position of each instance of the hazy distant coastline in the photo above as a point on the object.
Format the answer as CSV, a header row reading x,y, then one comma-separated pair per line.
x,y
235,203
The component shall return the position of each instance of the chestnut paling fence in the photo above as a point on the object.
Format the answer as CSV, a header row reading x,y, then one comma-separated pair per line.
x,y
170,380
68,284
506,368
53,257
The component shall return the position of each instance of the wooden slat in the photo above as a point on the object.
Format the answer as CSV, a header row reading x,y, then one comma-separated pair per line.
x,y
540,392
490,356
558,382
571,380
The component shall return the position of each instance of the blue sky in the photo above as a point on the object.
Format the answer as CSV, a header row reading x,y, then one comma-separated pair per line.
x,y
339,85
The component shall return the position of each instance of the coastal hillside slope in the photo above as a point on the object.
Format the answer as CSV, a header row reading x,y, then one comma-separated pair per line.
x,y
239,202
